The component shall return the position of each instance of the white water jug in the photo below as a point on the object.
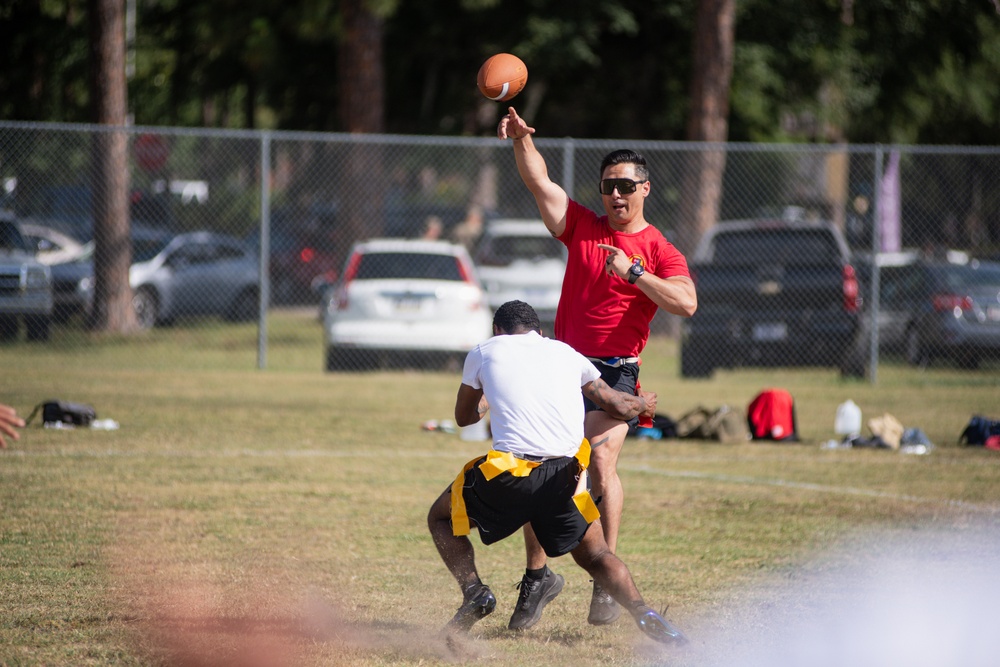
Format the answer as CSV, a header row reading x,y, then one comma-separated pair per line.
x,y
848,419
476,432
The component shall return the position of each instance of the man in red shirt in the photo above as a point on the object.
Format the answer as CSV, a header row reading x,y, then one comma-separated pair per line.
x,y
620,271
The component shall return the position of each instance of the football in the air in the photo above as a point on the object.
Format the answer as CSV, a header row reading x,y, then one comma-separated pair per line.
x,y
502,77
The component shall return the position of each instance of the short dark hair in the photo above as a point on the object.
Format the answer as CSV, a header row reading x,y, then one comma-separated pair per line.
x,y
516,317
626,156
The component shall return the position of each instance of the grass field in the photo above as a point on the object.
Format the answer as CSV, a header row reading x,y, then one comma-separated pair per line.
x,y
272,517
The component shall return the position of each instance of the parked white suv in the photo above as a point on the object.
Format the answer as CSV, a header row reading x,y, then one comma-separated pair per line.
x,y
25,285
401,301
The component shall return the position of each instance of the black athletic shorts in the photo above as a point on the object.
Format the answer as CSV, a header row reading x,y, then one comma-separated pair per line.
x,y
623,378
501,506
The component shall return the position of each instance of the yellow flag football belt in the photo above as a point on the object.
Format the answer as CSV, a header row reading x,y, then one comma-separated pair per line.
x,y
500,462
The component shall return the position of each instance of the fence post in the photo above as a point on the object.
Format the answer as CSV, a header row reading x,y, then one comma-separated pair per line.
x,y
876,278
265,247
569,161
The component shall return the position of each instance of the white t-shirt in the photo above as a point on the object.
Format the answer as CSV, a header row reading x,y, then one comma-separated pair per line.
x,y
533,388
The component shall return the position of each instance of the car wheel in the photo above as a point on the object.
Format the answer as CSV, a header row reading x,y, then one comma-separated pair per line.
x,y
146,306
916,353
8,328
244,308
695,362
38,327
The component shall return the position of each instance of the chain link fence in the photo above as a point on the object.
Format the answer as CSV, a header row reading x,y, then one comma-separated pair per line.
x,y
918,228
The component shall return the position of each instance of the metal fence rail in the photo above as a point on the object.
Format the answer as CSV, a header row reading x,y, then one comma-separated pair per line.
x,y
922,224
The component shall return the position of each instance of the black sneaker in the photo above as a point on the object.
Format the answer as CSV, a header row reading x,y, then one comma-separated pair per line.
x,y
535,594
479,602
657,628
603,609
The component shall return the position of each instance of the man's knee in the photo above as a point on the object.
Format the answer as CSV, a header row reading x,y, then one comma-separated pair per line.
x,y
593,560
592,548
439,511
603,470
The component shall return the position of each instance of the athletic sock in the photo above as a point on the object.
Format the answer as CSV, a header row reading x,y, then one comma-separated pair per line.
x,y
535,575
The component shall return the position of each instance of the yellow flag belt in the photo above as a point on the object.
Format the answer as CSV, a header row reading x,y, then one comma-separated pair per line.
x,y
500,462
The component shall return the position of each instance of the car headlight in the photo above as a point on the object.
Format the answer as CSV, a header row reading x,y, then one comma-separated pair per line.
x,y
36,278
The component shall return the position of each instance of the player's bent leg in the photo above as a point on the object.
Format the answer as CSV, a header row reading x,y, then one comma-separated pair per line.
x,y
607,570
613,575
607,440
459,557
456,551
607,437
535,555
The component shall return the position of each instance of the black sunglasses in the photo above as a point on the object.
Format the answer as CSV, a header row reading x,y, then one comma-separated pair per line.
x,y
626,186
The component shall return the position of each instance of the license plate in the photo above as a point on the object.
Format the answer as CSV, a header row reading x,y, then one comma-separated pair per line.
x,y
408,305
770,332
993,313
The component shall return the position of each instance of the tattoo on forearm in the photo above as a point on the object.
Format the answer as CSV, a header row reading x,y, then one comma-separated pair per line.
x,y
625,405
599,391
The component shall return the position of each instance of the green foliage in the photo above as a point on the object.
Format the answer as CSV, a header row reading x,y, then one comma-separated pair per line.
x,y
878,71
43,46
934,65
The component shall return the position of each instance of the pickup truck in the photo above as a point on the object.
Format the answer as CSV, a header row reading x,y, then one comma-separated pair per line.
x,y
773,293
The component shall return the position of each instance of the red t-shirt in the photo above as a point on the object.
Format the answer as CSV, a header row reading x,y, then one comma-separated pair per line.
x,y
601,315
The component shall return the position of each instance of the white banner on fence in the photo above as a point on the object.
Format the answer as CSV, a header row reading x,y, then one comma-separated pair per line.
x,y
889,204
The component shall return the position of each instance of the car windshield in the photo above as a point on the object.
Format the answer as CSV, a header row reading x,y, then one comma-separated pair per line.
x,y
379,265
503,250
10,237
787,246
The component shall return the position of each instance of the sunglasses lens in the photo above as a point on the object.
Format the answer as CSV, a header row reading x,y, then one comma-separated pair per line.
x,y
625,186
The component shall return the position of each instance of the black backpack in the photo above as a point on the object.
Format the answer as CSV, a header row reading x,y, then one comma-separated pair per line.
x,y
78,414
978,430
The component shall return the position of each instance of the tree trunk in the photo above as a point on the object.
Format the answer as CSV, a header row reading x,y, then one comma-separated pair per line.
x,y
360,82
112,308
701,191
360,69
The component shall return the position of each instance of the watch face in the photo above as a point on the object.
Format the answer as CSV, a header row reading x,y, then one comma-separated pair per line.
x,y
635,271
